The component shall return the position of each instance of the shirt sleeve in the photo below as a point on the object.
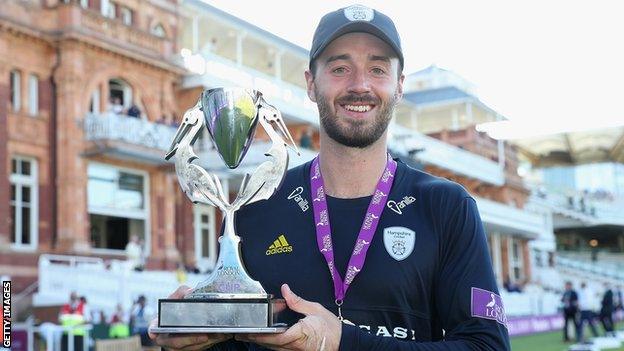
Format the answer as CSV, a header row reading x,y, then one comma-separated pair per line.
x,y
465,284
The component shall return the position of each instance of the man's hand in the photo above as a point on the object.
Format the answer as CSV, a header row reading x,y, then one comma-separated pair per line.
x,y
185,342
319,330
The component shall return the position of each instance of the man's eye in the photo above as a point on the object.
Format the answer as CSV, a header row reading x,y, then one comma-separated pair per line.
x,y
378,71
339,70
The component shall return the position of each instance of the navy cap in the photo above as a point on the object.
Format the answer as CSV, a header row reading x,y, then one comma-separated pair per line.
x,y
355,18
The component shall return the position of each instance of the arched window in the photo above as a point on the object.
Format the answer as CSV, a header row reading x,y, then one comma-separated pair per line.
x,y
120,95
158,30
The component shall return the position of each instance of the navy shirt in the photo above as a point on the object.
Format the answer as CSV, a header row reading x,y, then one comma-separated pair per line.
x,y
415,291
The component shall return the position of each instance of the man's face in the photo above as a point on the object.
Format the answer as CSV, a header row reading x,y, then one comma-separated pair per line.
x,y
356,85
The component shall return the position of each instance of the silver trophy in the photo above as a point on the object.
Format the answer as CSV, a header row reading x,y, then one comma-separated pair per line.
x,y
229,300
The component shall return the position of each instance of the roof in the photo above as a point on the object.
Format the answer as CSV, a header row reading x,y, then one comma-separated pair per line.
x,y
436,95
248,26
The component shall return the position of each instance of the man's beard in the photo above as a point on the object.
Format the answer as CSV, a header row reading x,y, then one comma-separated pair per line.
x,y
357,133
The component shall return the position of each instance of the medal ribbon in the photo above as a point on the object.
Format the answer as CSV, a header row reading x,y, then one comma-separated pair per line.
x,y
367,231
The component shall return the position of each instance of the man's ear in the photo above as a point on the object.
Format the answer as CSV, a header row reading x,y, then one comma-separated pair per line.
x,y
400,86
309,77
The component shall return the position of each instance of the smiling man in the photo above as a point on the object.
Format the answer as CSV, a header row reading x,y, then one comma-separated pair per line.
x,y
369,275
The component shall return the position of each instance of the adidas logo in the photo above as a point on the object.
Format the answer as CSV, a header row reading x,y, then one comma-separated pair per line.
x,y
279,246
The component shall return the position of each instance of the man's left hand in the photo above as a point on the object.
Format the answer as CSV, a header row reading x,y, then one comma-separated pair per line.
x,y
319,330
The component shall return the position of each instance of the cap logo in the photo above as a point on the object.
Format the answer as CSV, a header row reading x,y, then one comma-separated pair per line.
x,y
359,13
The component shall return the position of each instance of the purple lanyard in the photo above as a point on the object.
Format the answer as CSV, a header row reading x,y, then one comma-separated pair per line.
x,y
369,225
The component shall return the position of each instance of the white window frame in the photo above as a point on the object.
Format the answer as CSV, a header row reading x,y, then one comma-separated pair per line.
x,y
33,95
515,263
16,98
497,260
137,214
107,9
126,16
95,101
20,180
202,261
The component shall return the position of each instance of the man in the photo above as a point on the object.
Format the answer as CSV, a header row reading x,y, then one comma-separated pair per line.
x,y
606,311
134,253
586,306
72,318
570,309
423,281
140,318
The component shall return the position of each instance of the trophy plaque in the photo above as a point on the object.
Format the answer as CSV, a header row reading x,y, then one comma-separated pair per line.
x,y
229,300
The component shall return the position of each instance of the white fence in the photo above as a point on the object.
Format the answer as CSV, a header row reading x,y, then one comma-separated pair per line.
x,y
103,287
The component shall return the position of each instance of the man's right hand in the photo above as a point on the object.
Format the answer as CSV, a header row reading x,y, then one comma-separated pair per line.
x,y
185,342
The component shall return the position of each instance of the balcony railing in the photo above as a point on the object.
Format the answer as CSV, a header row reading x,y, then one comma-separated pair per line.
x,y
438,153
128,130
506,218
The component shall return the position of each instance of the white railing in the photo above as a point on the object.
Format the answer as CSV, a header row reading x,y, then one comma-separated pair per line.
x,y
213,71
591,212
103,287
524,221
441,154
532,303
51,334
130,130
601,270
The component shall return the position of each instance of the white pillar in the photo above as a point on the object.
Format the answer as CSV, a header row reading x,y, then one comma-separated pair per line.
x,y
278,65
501,150
469,117
239,48
454,119
195,34
413,119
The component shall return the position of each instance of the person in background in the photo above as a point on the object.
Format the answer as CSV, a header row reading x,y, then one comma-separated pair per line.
x,y
141,317
585,302
72,317
134,111
119,327
606,311
306,139
134,253
115,106
570,309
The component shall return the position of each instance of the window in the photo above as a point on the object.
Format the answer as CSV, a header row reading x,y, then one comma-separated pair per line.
x,y
205,237
33,95
516,260
107,8
24,202
158,30
126,16
84,4
117,205
95,101
16,96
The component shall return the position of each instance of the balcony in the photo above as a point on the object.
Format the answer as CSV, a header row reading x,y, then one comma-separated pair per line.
x,y
509,219
215,71
136,139
127,137
446,156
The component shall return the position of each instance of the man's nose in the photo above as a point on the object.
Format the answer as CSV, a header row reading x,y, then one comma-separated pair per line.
x,y
360,82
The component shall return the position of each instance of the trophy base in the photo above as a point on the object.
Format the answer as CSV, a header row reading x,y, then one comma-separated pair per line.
x,y
231,314
208,330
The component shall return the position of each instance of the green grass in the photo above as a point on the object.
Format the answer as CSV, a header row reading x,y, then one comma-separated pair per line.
x,y
543,342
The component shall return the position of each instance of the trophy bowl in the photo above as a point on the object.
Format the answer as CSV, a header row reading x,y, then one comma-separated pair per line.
x,y
229,300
